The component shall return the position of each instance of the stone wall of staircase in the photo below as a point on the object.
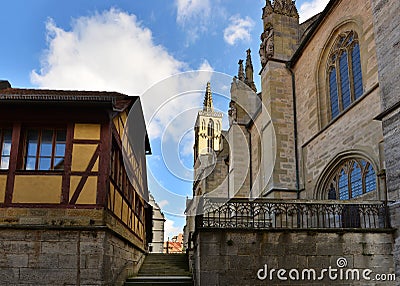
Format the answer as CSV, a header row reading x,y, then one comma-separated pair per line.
x,y
234,257
44,257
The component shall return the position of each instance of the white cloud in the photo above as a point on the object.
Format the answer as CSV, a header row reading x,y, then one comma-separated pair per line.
x,y
170,229
106,51
196,16
163,203
113,51
190,10
238,30
311,8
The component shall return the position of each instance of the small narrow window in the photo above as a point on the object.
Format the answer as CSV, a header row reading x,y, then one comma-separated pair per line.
x,y
343,186
333,93
5,148
370,179
344,81
45,149
356,67
356,181
210,134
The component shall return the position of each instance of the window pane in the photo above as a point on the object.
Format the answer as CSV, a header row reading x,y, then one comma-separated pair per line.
x,y
46,144
6,148
356,181
58,163
343,186
344,78
5,161
333,93
32,140
370,180
332,193
60,149
30,163
44,163
357,75
60,143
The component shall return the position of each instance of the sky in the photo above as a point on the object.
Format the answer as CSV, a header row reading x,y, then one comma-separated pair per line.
x,y
139,48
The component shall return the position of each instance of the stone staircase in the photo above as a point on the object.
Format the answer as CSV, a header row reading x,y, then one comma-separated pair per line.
x,y
163,269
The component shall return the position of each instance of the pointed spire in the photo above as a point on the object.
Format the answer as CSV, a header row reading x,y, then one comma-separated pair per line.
x,y
208,101
249,72
241,70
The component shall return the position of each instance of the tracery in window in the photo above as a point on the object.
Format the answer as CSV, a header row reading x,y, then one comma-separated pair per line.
x,y
344,73
351,179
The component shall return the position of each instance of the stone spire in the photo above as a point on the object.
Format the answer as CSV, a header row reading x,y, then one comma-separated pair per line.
x,y
208,101
249,72
241,71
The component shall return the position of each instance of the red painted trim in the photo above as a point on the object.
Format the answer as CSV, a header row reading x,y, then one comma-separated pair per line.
x,y
85,176
66,182
76,173
16,135
104,164
38,173
86,141
51,206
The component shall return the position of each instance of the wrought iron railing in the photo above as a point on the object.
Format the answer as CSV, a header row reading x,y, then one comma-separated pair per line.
x,y
279,214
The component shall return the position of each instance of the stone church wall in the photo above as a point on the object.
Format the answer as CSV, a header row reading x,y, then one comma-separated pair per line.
x,y
320,139
227,257
387,34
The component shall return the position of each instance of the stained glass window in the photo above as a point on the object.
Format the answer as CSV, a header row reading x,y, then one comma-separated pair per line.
x,y
344,73
352,178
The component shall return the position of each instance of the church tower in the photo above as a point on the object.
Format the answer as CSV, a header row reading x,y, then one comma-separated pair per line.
x,y
208,127
279,41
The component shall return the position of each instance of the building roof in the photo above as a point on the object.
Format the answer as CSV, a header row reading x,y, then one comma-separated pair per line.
x,y
118,101
60,95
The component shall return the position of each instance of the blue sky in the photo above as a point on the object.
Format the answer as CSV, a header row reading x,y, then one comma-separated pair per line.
x,y
129,46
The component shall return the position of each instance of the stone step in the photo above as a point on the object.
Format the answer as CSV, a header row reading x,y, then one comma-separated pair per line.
x,y
163,269
160,280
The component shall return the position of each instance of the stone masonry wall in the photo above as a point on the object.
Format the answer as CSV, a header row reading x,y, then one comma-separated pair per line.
x,y
226,257
40,257
387,34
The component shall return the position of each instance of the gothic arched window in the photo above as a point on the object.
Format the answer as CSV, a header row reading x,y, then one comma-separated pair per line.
x,y
210,134
351,179
344,73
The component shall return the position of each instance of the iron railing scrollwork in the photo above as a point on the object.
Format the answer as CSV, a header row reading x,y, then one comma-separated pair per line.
x,y
279,214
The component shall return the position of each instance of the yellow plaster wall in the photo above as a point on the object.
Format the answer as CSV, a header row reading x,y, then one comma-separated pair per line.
x,y
37,189
87,131
89,192
111,197
3,182
118,204
125,213
119,122
81,155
